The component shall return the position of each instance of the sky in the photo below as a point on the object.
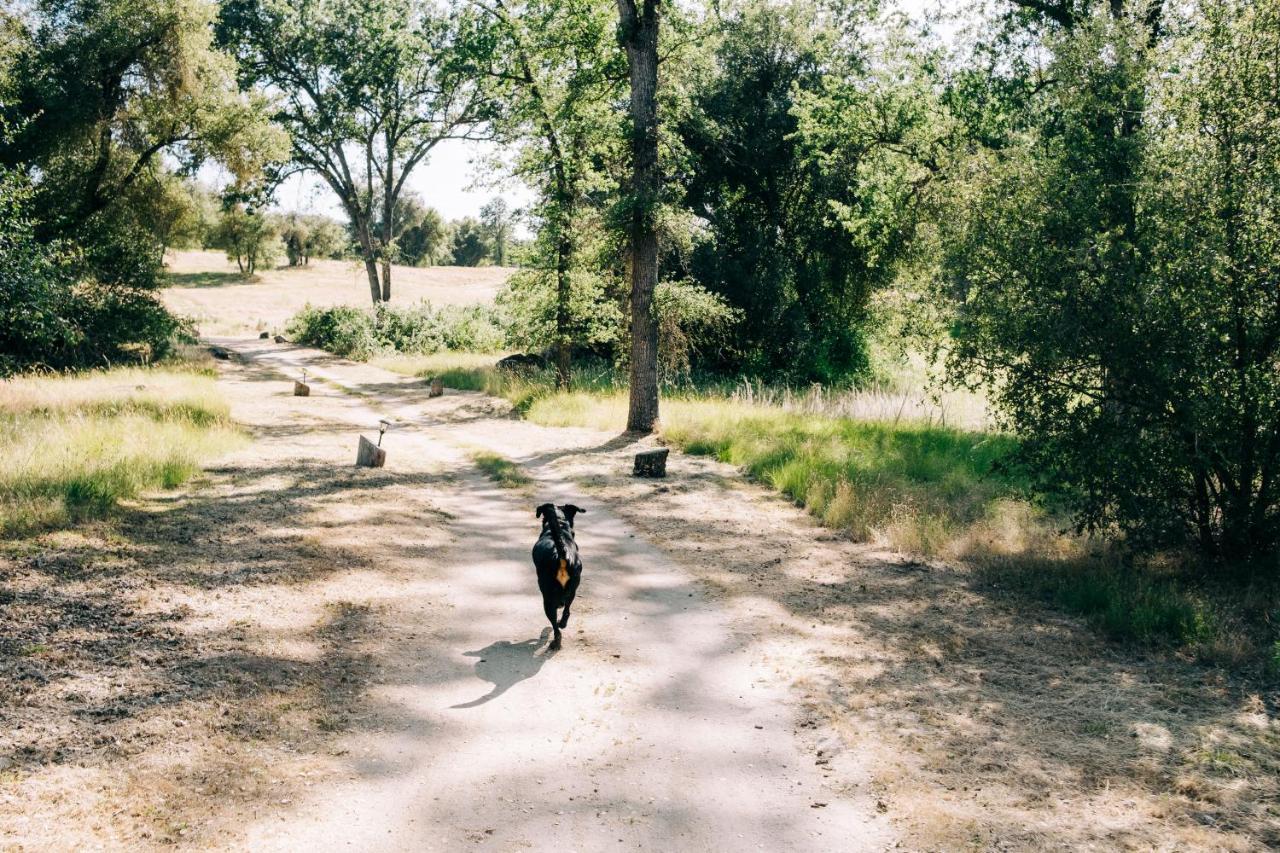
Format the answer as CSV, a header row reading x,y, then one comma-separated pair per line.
x,y
453,180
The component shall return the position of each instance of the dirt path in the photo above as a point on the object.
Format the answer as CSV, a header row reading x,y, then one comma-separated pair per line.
x,y
660,725
294,653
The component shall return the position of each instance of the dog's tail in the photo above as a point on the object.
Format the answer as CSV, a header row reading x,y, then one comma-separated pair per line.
x,y
562,574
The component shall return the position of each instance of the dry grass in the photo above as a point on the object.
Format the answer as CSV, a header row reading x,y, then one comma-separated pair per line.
x,y
206,286
72,447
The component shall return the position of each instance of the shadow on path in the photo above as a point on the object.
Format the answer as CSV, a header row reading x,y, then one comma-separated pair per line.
x,y
505,664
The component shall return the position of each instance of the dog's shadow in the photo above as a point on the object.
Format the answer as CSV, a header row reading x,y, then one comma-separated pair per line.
x,y
505,664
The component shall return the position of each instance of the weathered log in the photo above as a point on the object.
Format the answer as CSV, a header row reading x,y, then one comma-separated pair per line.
x,y
301,389
281,339
437,388
370,455
220,353
652,463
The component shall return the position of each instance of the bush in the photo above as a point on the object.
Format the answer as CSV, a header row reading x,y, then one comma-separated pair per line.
x,y
361,334
1117,291
54,315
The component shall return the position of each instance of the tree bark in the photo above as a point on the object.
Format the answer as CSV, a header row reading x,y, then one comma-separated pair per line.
x,y
388,227
639,36
564,252
370,259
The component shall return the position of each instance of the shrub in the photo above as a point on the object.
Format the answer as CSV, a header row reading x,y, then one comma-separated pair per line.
x,y
53,314
361,334
340,329
1116,290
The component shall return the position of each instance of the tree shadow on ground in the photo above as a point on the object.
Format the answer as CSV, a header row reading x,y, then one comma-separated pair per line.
x,y
207,279
992,709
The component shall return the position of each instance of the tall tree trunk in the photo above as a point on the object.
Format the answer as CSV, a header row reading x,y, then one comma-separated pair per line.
x,y
564,253
639,36
369,257
388,229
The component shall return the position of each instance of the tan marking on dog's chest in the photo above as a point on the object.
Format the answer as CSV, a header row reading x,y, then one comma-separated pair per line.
x,y
562,576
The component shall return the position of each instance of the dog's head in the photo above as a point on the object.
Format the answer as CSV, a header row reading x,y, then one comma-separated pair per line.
x,y
564,511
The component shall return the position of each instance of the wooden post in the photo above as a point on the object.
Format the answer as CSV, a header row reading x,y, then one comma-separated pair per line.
x,y
652,463
301,389
437,388
370,455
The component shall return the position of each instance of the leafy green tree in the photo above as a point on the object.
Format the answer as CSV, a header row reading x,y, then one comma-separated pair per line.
x,y
248,238
806,152
1113,275
497,220
366,90
306,236
106,93
470,248
556,71
425,238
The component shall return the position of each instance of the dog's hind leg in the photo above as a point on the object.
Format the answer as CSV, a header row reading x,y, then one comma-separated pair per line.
x,y
548,607
570,591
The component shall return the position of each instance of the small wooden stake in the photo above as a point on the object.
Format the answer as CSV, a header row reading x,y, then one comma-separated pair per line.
x,y
370,455
652,463
301,389
437,388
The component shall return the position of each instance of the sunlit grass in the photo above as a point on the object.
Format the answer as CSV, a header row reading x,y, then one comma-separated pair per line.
x,y
72,447
501,470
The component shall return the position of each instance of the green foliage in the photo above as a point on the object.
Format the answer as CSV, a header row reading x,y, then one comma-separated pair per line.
x,y
692,322
418,330
1112,272
248,237
803,166
423,235
377,83
308,236
51,315
529,303
105,92
471,246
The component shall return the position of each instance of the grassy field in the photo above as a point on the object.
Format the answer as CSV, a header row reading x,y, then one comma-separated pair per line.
x,y
72,447
208,287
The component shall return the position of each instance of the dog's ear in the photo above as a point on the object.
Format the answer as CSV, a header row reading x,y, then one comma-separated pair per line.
x,y
570,511
541,510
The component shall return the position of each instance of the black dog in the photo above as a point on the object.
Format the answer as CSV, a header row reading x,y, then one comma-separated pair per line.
x,y
555,557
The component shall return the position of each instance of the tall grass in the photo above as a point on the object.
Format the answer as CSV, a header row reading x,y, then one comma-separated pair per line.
x,y
880,464
72,447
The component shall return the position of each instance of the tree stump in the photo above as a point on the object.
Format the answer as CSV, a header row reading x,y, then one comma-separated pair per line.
x,y
437,388
264,336
301,389
281,339
370,455
652,463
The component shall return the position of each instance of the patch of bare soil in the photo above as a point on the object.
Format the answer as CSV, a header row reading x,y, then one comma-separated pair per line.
x,y
176,670
207,286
